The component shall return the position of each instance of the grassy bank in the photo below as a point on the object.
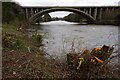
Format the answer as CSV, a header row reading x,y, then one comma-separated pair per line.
x,y
18,62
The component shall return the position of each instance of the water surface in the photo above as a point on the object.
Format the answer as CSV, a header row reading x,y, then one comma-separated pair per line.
x,y
59,35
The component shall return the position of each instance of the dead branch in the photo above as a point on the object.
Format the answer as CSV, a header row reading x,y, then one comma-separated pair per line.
x,y
21,58
108,60
25,62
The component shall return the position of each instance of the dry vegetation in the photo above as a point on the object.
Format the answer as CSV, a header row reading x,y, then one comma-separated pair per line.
x,y
18,62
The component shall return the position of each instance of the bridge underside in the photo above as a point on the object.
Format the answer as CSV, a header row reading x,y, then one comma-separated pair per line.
x,y
39,14
92,14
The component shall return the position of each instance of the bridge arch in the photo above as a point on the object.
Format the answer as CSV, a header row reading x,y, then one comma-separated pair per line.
x,y
36,16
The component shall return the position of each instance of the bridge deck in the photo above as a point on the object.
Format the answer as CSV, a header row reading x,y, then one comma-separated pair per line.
x,y
71,6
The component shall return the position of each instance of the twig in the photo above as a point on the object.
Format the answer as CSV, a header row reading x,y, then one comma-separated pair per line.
x,y
72,47
44,53
20,58
109,60
25,62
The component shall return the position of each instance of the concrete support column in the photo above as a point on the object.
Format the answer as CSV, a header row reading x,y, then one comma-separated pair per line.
x,y
27,14
37,10
106,10
112,9
32,13
95,13
100,14
90,11
85,10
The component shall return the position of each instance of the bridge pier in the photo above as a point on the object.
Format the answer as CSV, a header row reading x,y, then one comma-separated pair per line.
x,y
95,13
106,10
85,10
37,10
32,13
90,11
100,14
112,9
27,15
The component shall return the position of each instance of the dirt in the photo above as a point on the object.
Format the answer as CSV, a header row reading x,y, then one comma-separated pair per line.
x,y
17,64
22,64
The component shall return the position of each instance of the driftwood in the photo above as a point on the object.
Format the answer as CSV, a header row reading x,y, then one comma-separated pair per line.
x,y
87,59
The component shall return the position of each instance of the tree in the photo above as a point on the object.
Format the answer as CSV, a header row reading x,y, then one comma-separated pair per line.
x,y
74,17
12,12
111,17
47,17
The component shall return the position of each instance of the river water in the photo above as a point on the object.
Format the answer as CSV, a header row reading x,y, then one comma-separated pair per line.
x,y
59,36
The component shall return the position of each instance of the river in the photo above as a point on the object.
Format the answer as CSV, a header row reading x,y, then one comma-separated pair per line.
x,y
58,37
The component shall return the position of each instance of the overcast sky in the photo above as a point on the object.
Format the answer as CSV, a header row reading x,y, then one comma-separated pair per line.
x,y
67,3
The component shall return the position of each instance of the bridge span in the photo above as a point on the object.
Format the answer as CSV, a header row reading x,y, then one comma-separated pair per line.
x,y
91,13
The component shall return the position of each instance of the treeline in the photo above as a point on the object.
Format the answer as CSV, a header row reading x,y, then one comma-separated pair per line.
x,y
110,17
73,17
47,18
44,18
12,13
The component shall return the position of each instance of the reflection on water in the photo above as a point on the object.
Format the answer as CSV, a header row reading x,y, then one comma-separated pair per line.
x,y
58,36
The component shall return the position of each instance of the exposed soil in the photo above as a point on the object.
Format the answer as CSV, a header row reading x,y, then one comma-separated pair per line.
x,y
22,64
17,64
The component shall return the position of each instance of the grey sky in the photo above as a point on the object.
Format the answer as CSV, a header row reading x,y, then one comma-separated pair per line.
x,y
67,3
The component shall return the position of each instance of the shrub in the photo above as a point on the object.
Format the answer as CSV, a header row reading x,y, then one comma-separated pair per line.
x,y
37,38
12,42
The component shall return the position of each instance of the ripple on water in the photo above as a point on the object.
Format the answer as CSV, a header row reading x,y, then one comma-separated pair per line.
x,y
60,35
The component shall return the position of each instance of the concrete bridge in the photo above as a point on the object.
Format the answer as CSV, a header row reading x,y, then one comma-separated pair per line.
x,y
91,13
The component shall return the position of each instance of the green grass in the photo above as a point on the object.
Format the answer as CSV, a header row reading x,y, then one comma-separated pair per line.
x,y
13,42
12,29
38,38
8,26
12,39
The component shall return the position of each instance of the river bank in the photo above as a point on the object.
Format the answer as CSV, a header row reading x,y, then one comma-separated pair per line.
x,y
23,56
19,62
108,22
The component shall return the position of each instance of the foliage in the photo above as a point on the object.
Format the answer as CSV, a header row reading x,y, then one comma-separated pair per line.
x,y
38,38
40,20
45,18
55,18
12,42
11,12
108,15
74,18
111,17
117,17
7,7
